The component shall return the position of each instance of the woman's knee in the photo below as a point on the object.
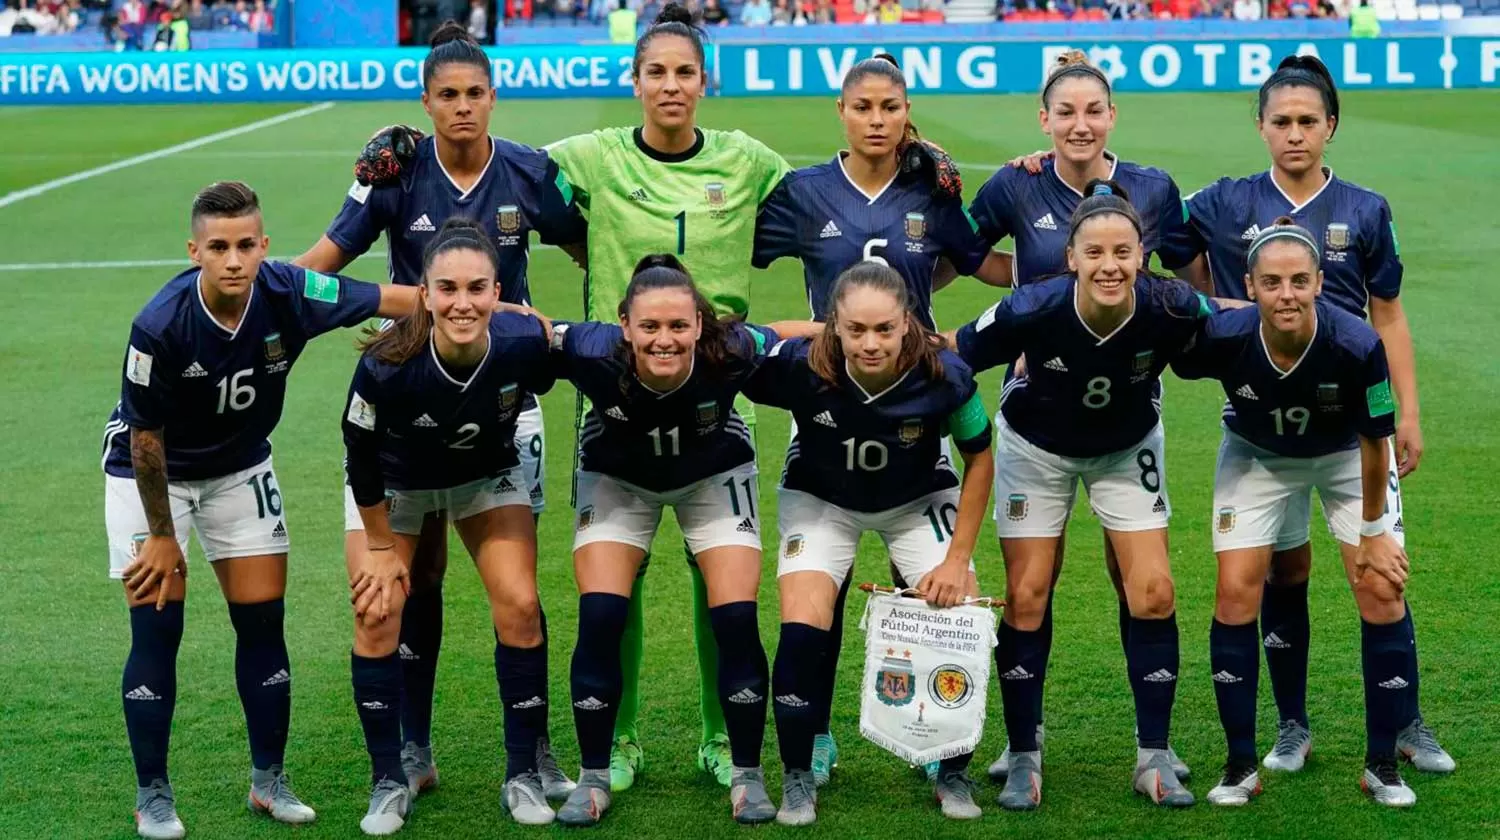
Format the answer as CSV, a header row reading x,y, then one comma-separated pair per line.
x,y
1236,601
374,636
518,618
1026,602
1152,595
1379,600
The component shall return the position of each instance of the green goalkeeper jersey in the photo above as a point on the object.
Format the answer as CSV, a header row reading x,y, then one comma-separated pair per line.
x,y
700,205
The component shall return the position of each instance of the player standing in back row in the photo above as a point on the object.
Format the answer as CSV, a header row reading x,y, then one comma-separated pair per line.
x,y
187,447
509,190
1361,264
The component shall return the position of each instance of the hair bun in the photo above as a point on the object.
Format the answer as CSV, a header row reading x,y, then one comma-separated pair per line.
x,y
1100,186
674,13
887,57
1284,221
451,30
659,261
1071,58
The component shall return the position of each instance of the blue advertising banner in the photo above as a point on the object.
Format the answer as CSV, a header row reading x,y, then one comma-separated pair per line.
x,y
1019,66
540,71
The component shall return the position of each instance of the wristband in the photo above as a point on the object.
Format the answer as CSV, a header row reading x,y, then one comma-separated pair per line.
x,y
1372,529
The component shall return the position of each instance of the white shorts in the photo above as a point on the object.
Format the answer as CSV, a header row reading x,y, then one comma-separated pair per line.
x,y
408,508
1257,491
530,446
1035,489
1296,525
715,512
817,536
236,515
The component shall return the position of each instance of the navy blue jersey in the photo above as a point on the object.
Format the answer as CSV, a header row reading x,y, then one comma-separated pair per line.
x,y
418,426
818,216
217,393
868,452
1035,210
656,441
1358,237
1083,395
1338,390
521,190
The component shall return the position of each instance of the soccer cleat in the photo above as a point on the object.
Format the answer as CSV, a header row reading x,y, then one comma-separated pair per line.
x,y
417,764
748,797
271,793
799,798
955,795
156,812
555,783
1383,783
1155,778
625,761
1239,784
1417,744
523,799
1001,766
390,805
714,758
1178,765
825,757
1023,782
1293,744
588,801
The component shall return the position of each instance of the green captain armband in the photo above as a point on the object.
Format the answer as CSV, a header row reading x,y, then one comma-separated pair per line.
x,y
969,423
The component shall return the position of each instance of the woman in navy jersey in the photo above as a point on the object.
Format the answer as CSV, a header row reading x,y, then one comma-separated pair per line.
x,y
1298,115
188,448
662,432
1033,208
1087,409
1309,406
430,426
873,394
510,190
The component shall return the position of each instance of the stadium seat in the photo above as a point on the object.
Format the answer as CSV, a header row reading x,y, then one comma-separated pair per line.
x,y
1385,9
1429,12
933,16
1452,11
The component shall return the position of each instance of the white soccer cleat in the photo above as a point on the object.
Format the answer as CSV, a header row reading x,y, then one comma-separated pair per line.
x,y
156,812
525,801
1293,744
1238,786
390,804
1417,744
1383,783
271,794
799,798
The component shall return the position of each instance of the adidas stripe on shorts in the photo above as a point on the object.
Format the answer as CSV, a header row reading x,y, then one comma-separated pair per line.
x,y
1035,489
409,507
818,536
712,513
1259,496
237,515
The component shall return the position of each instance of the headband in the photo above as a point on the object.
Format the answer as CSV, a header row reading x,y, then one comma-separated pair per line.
x,y
1074,69
1282,232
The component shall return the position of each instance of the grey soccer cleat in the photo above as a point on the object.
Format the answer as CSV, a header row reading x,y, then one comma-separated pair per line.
x,y
1238,786
748,797
1293,744
1023,784
390,804
588,801
955,795
1383,783
1178,765
799,798
1155,778
417,764
1000,767
156,812
1417,744
271,793
555,783
523,799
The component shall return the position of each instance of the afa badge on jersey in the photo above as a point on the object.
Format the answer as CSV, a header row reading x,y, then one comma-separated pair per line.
x,y
714,195
1337,236
910,433
708,417
510,396
916,225
508,218
275,354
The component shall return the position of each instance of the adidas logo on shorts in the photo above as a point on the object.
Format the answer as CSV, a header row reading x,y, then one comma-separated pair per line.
x,y
615,413
141,693
1250,233
1247,392
590,704
825,418
1017,673
422,225
1226,677
1160,675
533,703
424,421
504,485
405,652
277,678
1160,506
746,526
194,371
830,230
791,701
1045,223
1274,642
279,532
1394,683
1056,363
745,697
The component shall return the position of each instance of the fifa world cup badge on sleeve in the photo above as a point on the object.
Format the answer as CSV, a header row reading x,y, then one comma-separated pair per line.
x,y
320,287
138,369
361,413
926,674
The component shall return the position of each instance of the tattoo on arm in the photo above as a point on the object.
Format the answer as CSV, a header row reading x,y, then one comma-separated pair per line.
x,y
149,459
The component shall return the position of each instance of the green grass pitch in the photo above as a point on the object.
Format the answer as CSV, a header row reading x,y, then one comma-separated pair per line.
x,y
67,769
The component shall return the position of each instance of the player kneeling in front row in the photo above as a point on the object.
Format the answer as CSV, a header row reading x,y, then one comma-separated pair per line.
x,y
663,432
1309,406
873,395
430,426
187,447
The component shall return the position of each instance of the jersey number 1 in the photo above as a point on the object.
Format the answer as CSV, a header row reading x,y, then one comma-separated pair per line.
x,y
681,232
